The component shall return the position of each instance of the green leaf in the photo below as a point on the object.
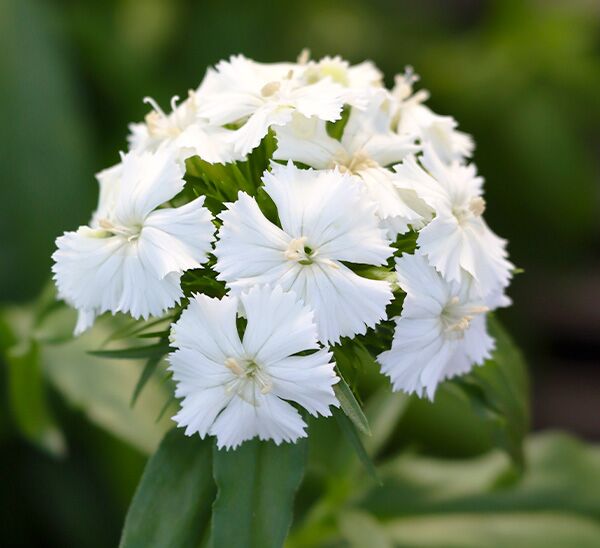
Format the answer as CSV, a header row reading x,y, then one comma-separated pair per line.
x,y
499,389
27,399
350,406
145,376
256,487
480,501
171,506
102,389
135,353
351,435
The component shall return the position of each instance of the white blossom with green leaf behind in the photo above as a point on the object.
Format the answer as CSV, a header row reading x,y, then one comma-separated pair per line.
x,y
293,228
235,388
282,212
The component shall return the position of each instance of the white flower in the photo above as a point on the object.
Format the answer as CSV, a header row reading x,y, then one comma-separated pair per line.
x,y
361,80
239,389
260,96
183,131
414,118
457,240
326,220
132,256
441,332
367,146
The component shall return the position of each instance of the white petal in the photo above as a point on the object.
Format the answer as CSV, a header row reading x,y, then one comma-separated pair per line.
x,y
199,410
345,304
148,180
279,325
391,205
306,140
249,245
307,380
176,239
208,326
323,99
249,136
268,418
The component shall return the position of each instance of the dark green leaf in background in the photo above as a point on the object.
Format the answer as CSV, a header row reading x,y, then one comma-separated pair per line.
x,y
257,484
171,507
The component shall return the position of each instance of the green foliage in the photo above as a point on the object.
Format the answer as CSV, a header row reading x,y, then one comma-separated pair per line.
x,y
499,391
348,428
256,487
27,398
171,506
478,502
350,406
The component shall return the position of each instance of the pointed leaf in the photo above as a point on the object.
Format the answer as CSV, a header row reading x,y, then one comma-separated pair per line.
x,y
171,506
256,487
147,372
351,435
139,352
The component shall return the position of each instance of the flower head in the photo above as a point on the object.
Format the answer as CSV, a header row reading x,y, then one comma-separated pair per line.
x,y
458,239
441,332
239,388
256,97
326,221
414,118
366,148
182,131
131,257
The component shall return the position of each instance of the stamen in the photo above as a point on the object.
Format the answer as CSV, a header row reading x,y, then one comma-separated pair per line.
x,y
295,250
477,206
264,381
131,233
234,367
304,57
270,89
461,325
155,106
174,100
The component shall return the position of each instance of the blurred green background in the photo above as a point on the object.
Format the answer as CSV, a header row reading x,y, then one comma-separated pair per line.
x,y
522,76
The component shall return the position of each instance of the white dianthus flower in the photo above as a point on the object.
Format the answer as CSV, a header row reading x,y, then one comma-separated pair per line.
x,y
183,132
239,389
258,96
367,146
131,257
361,81
441,332
414,118
326,220
457,240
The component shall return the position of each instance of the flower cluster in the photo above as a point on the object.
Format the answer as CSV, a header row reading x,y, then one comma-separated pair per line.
x,y
282,211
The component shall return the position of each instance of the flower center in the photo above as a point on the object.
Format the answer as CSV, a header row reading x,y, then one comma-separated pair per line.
x,y
298,251
355,163
130,232
474,208
248,371
456,317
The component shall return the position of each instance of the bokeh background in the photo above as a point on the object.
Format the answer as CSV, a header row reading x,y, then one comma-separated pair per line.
x,y
522,76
